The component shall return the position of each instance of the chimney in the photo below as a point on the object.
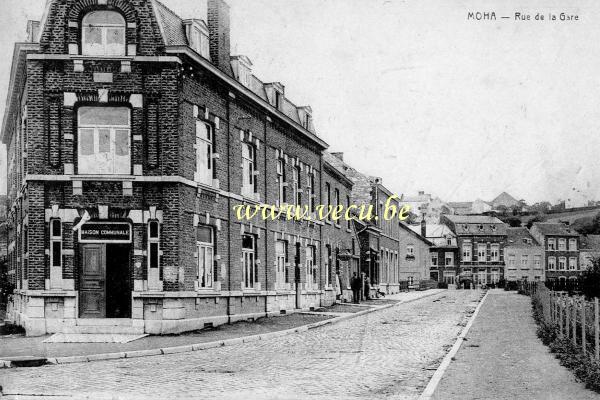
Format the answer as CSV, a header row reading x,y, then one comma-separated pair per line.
x,y
219,35
423,227
421,193
340,156
33,29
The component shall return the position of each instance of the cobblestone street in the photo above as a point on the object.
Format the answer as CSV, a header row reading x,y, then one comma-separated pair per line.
x,y
388,353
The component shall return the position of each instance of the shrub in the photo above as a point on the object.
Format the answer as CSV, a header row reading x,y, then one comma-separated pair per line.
x,y
442,285
569,355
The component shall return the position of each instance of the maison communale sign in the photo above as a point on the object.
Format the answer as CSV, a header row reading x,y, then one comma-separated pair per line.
x,y
102,232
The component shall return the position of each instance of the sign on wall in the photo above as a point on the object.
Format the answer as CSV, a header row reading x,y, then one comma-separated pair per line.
x,y
105,232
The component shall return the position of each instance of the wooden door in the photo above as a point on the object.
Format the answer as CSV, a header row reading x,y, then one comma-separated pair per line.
x,y
92,290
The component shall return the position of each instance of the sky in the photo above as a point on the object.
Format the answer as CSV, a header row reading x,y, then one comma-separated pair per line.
x,y
415,93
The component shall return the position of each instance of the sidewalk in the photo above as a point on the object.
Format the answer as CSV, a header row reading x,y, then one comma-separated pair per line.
x,y
21,346
503,358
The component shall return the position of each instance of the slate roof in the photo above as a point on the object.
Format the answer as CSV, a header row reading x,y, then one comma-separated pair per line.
x,y
554,229
173,31
520,237
476,225
362,188
171,25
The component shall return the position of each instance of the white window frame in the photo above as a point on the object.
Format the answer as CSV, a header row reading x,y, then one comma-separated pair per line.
x,y
552,263
551,244
248,169
481,255
563,261
467,251
103,49
87,167
206,260
512,261
524,261
249,267
434,259
410,250
495,252
204,153
297,186
572,264
281,181
281,257
449,256
562,244
572,244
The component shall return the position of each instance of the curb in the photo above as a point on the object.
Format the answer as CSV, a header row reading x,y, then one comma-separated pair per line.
x,y
220,343
441,370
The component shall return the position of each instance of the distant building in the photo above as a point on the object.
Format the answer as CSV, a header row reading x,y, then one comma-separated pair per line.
x,y
480,206
561,250
414,256
459,208
424,204
444,257
589,249
524,256
481,240
506,201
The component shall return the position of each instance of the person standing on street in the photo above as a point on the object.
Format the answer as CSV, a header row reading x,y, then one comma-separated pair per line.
x,y
355,285
367,287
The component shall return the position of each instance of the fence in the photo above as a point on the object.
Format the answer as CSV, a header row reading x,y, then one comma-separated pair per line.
x,y
574,318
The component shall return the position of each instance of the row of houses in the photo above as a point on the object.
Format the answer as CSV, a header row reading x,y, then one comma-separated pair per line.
x,y
132,136
482,250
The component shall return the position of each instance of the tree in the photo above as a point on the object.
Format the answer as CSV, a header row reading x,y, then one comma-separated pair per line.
x,y
513,222
537,218
541,207
590,280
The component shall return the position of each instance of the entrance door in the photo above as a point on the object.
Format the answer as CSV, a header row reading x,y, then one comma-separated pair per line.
x,y
92,291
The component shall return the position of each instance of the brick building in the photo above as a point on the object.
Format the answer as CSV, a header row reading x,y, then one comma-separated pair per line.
x,y
444,254
132,134
561,250
524,257
379,242
481,241
415,258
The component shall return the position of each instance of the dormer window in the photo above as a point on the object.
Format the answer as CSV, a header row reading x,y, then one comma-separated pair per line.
x,y
103,34
275,92
197,33
242,69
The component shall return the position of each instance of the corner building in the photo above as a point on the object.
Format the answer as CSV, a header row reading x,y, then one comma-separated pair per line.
x,y
132,134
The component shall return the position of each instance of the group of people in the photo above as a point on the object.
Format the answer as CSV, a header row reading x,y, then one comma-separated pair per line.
x,y
356,284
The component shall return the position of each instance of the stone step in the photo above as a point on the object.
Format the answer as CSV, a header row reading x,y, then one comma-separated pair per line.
x,y
128,330
104,322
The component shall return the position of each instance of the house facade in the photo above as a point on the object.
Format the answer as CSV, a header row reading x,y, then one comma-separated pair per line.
x,y
415,259
132,136
561,250
524,257
444,255
378,238
481,240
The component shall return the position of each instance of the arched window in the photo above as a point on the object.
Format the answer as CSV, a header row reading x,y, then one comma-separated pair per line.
x,y
103,34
